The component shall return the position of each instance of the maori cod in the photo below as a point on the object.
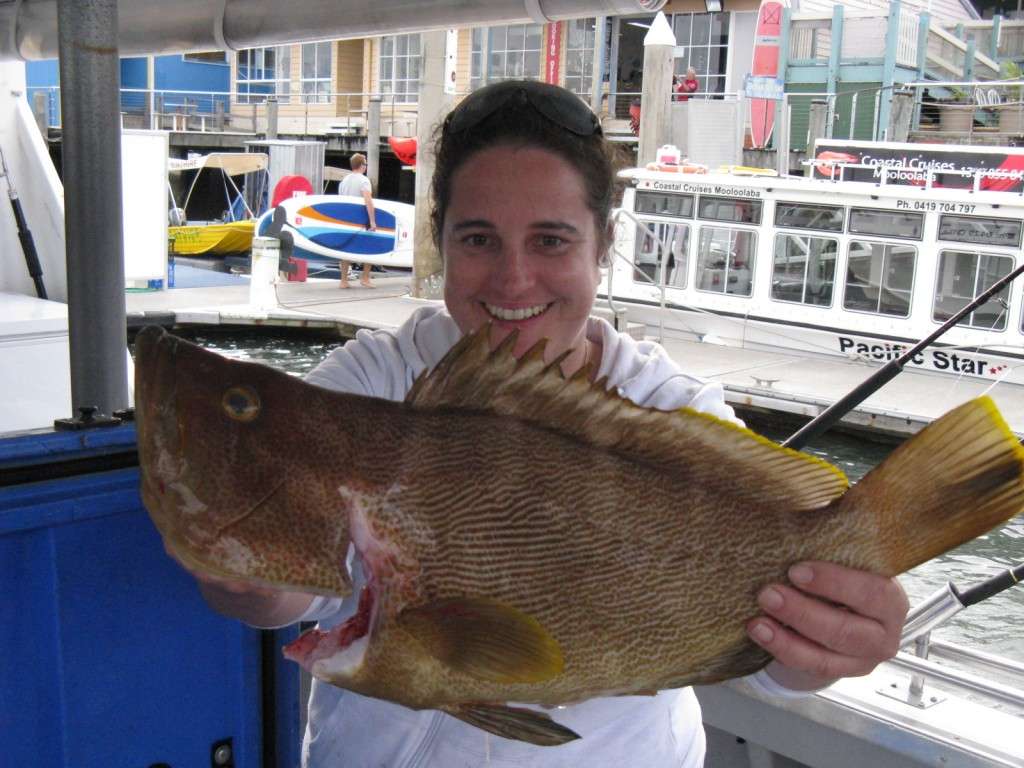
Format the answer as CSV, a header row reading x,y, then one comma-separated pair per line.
x,y
528,538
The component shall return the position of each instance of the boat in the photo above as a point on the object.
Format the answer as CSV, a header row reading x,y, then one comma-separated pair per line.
x,y
232,234
850,269
327,229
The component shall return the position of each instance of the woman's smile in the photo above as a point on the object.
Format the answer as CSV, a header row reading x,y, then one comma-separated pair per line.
x,y
515,314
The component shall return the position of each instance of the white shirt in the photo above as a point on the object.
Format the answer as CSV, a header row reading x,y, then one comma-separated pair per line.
x,y
354,184
347,729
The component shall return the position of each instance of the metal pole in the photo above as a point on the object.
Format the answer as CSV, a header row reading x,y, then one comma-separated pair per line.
x,y
782,137
373,139
40,111
597,71
90,105
271,118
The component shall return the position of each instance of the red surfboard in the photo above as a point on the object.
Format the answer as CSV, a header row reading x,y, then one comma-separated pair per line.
x,y
765,64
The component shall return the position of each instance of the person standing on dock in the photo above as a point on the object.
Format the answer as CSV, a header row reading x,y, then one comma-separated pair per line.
x,y
357,185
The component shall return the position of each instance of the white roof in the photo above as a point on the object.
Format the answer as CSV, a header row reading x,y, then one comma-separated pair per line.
x,y
232,163
332,173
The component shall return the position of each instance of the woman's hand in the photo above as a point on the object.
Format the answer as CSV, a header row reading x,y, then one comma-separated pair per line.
x,y
831,622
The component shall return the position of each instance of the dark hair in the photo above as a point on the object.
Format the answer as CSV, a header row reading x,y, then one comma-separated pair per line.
x,y
518,122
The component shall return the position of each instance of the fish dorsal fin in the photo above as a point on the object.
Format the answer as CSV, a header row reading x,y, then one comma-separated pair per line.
x,y
473,376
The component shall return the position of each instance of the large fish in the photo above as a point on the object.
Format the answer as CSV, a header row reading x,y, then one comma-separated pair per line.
x,y
528,538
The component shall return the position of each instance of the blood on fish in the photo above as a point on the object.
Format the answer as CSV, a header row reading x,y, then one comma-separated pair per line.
x,y
317,644
359,624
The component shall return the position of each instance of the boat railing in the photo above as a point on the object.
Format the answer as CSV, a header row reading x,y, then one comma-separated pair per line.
x,y
835,171
995,677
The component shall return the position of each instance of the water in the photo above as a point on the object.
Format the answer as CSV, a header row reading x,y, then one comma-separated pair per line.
x,y
993,626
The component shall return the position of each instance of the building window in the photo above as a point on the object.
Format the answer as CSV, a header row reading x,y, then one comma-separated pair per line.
x,y
400,68
705,39
212,57
579,56
316,72
511,52
264,72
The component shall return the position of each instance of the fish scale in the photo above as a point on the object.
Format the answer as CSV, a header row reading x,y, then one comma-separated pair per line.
x,y
528,538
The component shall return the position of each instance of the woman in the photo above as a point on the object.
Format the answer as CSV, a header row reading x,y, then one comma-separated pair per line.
x,y
523,196
687,85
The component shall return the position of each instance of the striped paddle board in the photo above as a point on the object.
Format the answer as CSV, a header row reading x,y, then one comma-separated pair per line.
x,y
333,228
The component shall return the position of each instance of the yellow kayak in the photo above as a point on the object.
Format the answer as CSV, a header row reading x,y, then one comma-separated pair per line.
x,y
214,239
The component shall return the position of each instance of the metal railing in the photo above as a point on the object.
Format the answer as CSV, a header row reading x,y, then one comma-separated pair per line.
x,y
220,111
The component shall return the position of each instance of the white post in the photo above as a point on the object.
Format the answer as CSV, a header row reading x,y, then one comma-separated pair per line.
x,y
433,106
656,98
264,265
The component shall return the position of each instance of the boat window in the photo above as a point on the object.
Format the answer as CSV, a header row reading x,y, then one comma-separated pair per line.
x,y
725,260
878,221
669,245
804,269
983,231
664,204
879,277
730,209
804,216
964,275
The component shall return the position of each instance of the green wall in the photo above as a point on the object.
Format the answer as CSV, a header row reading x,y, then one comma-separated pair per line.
x,y
864,120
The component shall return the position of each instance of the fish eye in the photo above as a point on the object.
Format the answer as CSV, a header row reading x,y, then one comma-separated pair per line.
x,y
241,403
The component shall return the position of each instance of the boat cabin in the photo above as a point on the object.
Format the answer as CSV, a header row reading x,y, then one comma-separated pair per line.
x,y
825,266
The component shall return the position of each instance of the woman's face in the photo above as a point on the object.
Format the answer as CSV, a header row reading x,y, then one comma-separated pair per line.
x,y
520,248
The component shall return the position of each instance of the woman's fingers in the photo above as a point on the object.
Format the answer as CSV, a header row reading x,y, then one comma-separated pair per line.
x,y
839,622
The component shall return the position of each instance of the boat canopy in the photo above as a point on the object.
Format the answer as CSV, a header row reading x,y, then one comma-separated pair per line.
x,y
232,163
333,173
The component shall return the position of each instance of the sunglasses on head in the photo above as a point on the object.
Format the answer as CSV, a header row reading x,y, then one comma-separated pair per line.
x,y
557,105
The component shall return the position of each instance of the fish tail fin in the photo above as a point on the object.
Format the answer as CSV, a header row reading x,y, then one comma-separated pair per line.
x,y
956,479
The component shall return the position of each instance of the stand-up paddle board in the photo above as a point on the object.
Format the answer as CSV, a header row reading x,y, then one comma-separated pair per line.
x,y
328,228
765,64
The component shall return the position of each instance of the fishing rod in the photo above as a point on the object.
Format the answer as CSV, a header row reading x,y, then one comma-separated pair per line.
x,y
948,600
28,245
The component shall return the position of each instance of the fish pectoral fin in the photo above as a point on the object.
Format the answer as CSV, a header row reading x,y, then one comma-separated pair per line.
x,y
514,723
486,639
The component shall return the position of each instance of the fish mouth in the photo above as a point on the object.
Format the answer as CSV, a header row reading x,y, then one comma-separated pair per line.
x,y
337,653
